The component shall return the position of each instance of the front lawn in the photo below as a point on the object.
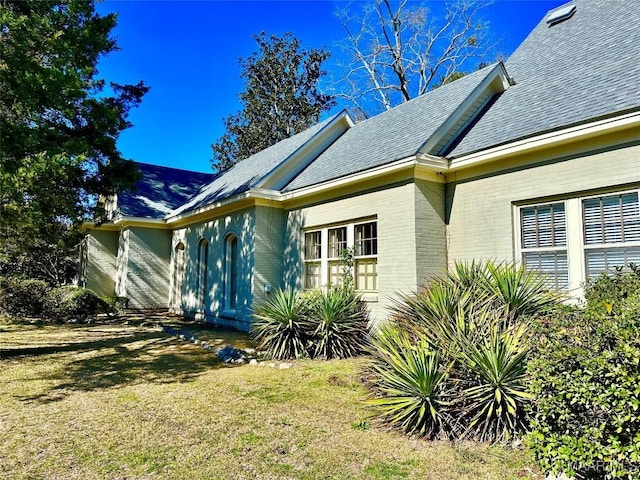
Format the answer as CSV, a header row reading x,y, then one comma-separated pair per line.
x,y
125,401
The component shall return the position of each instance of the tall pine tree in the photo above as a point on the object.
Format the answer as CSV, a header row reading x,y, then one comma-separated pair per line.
x,y
60,124
281,98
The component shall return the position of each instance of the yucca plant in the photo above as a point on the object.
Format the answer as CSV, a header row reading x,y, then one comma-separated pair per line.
x,y
518,291
409,380
281,325
341,321
493,398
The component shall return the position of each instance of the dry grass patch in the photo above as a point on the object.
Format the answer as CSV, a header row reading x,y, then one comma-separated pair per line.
x,y
130,402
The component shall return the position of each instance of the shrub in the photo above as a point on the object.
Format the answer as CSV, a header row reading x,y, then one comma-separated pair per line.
x,y
332,324
585,376
281,325
472,319
611,293
116,304
338,323
22,297
74,302
409,380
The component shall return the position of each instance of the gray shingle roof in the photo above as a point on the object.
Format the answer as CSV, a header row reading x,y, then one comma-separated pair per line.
x,y
395,134
247,173
160,190
585,67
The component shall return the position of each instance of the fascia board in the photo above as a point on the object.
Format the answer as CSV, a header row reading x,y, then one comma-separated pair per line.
x,y
352,179
496,81
255,196
558,137
282,173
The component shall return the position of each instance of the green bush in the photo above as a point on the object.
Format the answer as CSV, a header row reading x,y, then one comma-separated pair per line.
x,y
612,293
409,380
22,297
472,319
71,302
332,324
280,325
338,323
585,376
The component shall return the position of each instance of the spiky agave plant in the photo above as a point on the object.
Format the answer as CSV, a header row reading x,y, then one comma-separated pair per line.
x,y
517,290
280,325
494,395
409,380
341,322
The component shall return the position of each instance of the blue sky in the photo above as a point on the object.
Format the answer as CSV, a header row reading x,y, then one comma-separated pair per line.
x,y
188,51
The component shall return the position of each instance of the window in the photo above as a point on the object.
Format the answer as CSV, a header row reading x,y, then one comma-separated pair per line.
x,y
203,260
312,259
576,239
178,274
365,256
611,232
231,270
324,250
337,245
544,243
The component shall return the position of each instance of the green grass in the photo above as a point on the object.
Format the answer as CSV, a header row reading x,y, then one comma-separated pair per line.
x,y
124,401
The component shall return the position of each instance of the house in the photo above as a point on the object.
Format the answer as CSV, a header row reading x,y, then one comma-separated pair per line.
x,y
535,160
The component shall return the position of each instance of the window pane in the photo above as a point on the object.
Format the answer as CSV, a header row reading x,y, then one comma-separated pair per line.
x,y
606,260
312,245
366,239
611,219
337,241
543,226
366,274
552,265
335,273
312,275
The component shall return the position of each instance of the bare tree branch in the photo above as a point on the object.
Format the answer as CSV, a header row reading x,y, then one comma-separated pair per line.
x,y
399,49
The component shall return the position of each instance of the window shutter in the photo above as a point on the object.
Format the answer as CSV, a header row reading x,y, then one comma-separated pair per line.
x,y
611,219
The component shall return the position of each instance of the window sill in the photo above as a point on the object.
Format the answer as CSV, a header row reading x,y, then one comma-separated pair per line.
x,y
369,297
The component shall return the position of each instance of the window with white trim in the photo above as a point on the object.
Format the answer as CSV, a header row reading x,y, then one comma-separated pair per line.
x,y
337,245
324,250
543,231
312,259
611,232
366,256
576,239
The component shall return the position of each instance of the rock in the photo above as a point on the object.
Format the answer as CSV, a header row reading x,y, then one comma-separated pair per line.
x,y
253,362
250,351
285,365
271,365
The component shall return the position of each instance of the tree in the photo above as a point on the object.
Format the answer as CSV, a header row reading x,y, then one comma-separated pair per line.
x,y
60,123
280,98
398,50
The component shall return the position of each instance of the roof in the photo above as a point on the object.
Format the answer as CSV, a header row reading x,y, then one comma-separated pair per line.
x,y
577,70
160,190
392,135
247,173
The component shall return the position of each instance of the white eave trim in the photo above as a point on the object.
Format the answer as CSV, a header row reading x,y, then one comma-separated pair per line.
x,y
281,174
558,137
353,178
252,194
496,81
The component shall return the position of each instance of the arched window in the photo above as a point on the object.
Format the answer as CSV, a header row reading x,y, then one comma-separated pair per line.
x,y
178,274
201,281
231,272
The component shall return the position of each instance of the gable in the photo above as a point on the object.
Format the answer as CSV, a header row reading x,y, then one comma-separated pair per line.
x,y
583,68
